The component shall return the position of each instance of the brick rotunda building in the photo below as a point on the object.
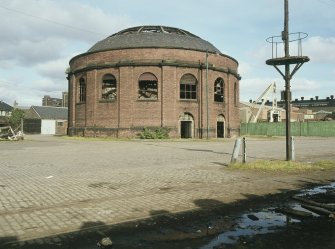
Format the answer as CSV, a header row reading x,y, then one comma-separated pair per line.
x,y
150,77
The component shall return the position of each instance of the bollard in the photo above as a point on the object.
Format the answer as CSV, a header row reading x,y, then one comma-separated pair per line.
x,y
244,151
293,149
236,151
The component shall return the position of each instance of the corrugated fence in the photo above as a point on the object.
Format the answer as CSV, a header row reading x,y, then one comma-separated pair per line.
x,y
322,129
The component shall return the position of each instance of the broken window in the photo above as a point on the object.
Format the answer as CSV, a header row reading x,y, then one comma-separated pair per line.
x,y
188,87
219,90
108,87
147,86
82,90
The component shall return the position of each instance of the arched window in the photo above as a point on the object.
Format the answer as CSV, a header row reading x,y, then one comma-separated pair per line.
x,y
82,90
147,86
219,90
108,88
188,87
235,94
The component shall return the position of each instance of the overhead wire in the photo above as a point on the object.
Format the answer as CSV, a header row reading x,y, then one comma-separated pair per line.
x,y
51,21
328,3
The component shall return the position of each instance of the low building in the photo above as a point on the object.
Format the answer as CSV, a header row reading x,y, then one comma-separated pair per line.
x,y
266,113
5,112
46,120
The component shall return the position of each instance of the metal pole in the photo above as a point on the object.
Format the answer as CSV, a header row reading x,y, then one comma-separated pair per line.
x,y
287,85
293,150
244,150
207,109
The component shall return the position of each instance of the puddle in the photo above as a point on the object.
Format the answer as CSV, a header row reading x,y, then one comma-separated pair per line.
x,y
264,221
318,190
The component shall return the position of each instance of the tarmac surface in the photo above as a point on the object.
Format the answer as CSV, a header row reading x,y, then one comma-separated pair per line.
x,y
54,185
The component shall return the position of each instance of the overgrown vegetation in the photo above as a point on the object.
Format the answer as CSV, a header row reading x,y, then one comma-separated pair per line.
x,y
15,118
284,166
159,133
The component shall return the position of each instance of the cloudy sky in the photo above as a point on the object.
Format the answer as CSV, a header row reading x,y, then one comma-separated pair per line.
x,y
39,37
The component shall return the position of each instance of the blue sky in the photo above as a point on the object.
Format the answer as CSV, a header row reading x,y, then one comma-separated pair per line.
x,y
39,37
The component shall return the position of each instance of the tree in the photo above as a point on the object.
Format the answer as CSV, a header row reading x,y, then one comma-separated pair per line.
x,y
15,118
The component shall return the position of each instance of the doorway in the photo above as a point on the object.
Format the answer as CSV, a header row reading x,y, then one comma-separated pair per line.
x,y
220,126
220,129
186,125
186,129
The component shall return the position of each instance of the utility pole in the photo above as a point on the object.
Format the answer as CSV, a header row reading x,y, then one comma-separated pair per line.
x,y
287,84
286,61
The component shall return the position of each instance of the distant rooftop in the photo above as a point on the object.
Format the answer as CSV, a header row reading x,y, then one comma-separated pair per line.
x,y
49,112
5,107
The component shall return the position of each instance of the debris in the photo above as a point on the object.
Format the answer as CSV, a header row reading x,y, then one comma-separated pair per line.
x,y
314,203
105,243
252,217
10,135
318,210
294,212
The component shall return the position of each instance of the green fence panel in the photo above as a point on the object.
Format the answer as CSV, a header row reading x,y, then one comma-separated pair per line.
x,y
324,129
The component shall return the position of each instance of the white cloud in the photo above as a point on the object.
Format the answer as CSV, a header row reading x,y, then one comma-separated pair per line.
x,y
320,49
252,88
42,30
54,69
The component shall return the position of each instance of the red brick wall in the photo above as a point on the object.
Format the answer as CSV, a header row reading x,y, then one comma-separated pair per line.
x,y
125,116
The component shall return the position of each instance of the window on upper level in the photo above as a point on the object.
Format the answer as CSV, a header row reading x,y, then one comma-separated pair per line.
x,y
219,90
188,87
108,88
82,90
236,101
147,87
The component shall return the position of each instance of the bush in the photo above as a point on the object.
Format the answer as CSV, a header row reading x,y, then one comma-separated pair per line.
x,y
159,133
15,118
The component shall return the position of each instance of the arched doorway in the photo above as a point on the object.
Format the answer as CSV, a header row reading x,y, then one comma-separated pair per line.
x,y
186,125
220,126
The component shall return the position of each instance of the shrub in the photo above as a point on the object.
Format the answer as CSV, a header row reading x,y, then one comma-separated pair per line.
x,y
159,133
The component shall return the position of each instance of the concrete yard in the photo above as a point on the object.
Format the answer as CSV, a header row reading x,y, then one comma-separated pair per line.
x,y
54,185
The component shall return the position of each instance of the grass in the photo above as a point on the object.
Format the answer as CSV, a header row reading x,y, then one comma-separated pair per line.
x,y
284,166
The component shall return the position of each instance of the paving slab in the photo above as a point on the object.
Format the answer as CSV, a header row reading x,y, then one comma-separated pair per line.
x,y
53,185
